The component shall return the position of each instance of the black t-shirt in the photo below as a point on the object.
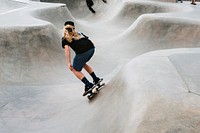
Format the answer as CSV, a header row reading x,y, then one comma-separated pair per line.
x,y
79,46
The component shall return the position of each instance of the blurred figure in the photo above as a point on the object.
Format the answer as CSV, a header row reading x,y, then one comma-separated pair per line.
x,y
104,1
180,1
90,3
193,2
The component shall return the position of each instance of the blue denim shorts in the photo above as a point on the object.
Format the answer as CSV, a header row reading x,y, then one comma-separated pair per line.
x,y
81,59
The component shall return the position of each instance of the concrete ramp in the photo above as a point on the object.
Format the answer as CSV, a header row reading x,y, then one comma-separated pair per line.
x,y
146,51
10,6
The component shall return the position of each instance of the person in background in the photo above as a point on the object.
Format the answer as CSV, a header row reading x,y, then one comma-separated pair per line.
x,y
180,1
193,2
90,3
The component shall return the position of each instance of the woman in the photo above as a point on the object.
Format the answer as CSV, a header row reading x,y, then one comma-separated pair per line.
x,y
84,50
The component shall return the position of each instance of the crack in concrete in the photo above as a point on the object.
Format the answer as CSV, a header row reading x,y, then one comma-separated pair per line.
x,y
187,87
11,101
194,93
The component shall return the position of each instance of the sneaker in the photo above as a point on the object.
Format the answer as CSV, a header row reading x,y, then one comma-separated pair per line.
x,y
193,3
104,1
88,87
97,81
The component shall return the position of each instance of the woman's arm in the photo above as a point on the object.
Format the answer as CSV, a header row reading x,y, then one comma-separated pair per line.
x,y
67,52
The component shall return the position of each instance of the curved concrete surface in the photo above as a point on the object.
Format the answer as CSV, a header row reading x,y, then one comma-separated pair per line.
x,y
10,6
147,51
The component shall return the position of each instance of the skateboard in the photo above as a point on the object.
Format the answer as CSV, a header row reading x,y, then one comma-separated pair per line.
x,y
95,91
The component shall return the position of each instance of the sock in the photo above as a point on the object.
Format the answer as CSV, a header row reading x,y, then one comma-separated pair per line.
x,y
93,76
85,81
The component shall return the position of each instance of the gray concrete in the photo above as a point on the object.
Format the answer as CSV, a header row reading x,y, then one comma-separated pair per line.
x,y
147,51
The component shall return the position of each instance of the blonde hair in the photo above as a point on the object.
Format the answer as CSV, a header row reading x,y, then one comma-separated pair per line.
x,y
70,37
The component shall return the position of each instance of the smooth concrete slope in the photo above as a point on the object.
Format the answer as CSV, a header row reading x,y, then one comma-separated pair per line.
x,y
30,50
157,92
150,94
141,98
154,32
173,1
56,14
157,88
130,11
9,6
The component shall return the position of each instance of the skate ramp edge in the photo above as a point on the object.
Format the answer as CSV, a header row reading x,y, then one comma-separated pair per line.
x,y
147,100
156,33
129,11
138,99
170,101
28,53
31,48
10,6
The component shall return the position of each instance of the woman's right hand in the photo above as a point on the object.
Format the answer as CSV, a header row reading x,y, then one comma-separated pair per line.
x,y
70,66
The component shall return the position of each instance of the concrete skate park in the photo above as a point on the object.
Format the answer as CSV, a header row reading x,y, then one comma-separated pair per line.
x,y
147,52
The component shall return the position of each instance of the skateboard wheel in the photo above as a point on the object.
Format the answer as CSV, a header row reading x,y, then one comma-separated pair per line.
x,y
94,90
90,97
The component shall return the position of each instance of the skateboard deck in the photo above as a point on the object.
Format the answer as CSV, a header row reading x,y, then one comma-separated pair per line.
x,y
95,85
95,91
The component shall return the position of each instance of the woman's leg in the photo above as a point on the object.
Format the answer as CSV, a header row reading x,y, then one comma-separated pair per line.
x,y
88,68
81,76
92,74
91,9
78,74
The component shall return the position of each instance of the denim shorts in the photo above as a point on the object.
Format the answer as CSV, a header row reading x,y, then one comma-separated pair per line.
x,y
81,59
